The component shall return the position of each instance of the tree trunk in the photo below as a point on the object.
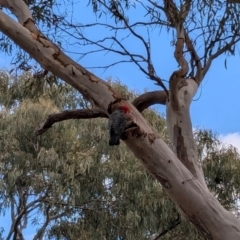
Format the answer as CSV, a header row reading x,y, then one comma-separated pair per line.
x,y
177,170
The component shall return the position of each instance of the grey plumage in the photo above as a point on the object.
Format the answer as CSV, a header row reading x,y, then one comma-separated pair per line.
x,y
116,125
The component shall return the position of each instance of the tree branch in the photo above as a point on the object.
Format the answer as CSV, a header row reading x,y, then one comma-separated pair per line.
x,y
141,103
150,98
25,209
69,114
173,224
197,204
176,18
42,230
220,51
182,91
118,11
194,57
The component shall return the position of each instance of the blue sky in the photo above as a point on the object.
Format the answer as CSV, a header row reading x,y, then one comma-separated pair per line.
x,y
216,105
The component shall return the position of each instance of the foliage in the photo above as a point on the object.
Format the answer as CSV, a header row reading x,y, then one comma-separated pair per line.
x,y
220,165
68,181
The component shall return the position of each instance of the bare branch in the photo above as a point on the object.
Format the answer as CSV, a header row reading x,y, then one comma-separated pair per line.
x,y
142,102
195,58
150,98
220,51
112,64
220,38
135,58
154,77
151,71
69,114
156,5
121,28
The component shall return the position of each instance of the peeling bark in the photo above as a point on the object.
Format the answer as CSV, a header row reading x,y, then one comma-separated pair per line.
x,y
176,170
179,127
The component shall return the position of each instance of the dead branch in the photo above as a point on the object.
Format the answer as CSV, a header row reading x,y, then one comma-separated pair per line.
x,y
69,114
141,103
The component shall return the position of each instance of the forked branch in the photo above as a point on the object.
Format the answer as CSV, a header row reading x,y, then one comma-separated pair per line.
x,y
142,102
142,61
188,193
176,18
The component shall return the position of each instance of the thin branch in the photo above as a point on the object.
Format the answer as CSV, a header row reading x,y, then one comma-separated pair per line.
x,y
151,71
12,209
98,43
22,207
121,28
132,57
142,102
135,58
111,65
219,52
23,210
41,231
156,5
14,228
171,226
195,58
58,215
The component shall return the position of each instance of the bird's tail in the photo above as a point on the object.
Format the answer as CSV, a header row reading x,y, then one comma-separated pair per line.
x,y
114,141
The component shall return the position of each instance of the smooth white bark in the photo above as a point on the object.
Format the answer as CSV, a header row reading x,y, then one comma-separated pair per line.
x,y
189,194
179,127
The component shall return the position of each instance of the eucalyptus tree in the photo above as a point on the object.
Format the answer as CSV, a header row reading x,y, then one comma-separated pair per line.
x,y
69,181
69,175
177,167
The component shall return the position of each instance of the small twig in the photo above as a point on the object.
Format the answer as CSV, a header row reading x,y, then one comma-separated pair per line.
x,y
171,226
